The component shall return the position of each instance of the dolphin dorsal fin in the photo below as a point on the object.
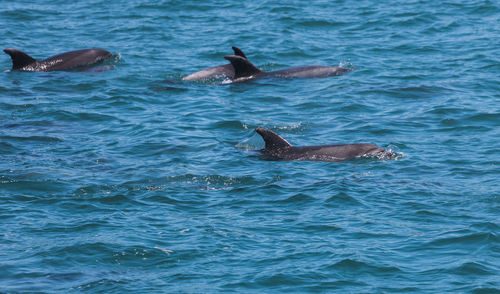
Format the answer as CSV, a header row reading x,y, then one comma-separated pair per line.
x,y
19,58
238,52
242,67
273,140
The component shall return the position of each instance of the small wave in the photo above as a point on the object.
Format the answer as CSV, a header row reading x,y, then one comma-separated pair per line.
x,y
465,238
291,128
322,228
31,186
297,199
26,14
489,118
31,138
283,9
319,23
168,88
472,268
202,182
7,148
230,124
99,284
342,199
422,91
487,226
353,266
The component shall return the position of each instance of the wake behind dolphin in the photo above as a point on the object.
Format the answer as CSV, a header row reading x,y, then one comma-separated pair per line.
x,y
65,61
279,148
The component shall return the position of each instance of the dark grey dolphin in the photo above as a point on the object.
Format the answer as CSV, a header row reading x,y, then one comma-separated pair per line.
x,y
279,148
65,61
221,71
245,70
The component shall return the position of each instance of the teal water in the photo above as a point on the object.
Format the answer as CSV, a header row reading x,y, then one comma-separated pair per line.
x,y
133,181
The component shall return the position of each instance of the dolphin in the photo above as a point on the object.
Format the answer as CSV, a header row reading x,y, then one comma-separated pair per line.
x,y
221,71
65,61
245,70
279,148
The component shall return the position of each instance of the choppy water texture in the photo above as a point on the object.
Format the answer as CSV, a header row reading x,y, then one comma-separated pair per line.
x,y
133,181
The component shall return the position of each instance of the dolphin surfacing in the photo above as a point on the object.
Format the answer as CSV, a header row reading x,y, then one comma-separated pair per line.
x,y
220,71
244,70
65,61
278,148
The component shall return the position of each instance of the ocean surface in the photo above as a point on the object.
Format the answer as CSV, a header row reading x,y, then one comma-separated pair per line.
x,y
133,181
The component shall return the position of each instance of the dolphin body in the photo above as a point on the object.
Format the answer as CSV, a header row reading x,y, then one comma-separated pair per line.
x,y
221,71
244,70
65,61
279,148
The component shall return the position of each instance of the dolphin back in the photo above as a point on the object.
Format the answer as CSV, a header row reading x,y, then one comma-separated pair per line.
x,y
278,147
65,61
78,58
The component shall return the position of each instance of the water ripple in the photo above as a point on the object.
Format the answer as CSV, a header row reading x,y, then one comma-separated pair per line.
x,y
132,180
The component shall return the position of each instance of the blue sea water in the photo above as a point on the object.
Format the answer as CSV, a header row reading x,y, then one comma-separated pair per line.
x,y
134,181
